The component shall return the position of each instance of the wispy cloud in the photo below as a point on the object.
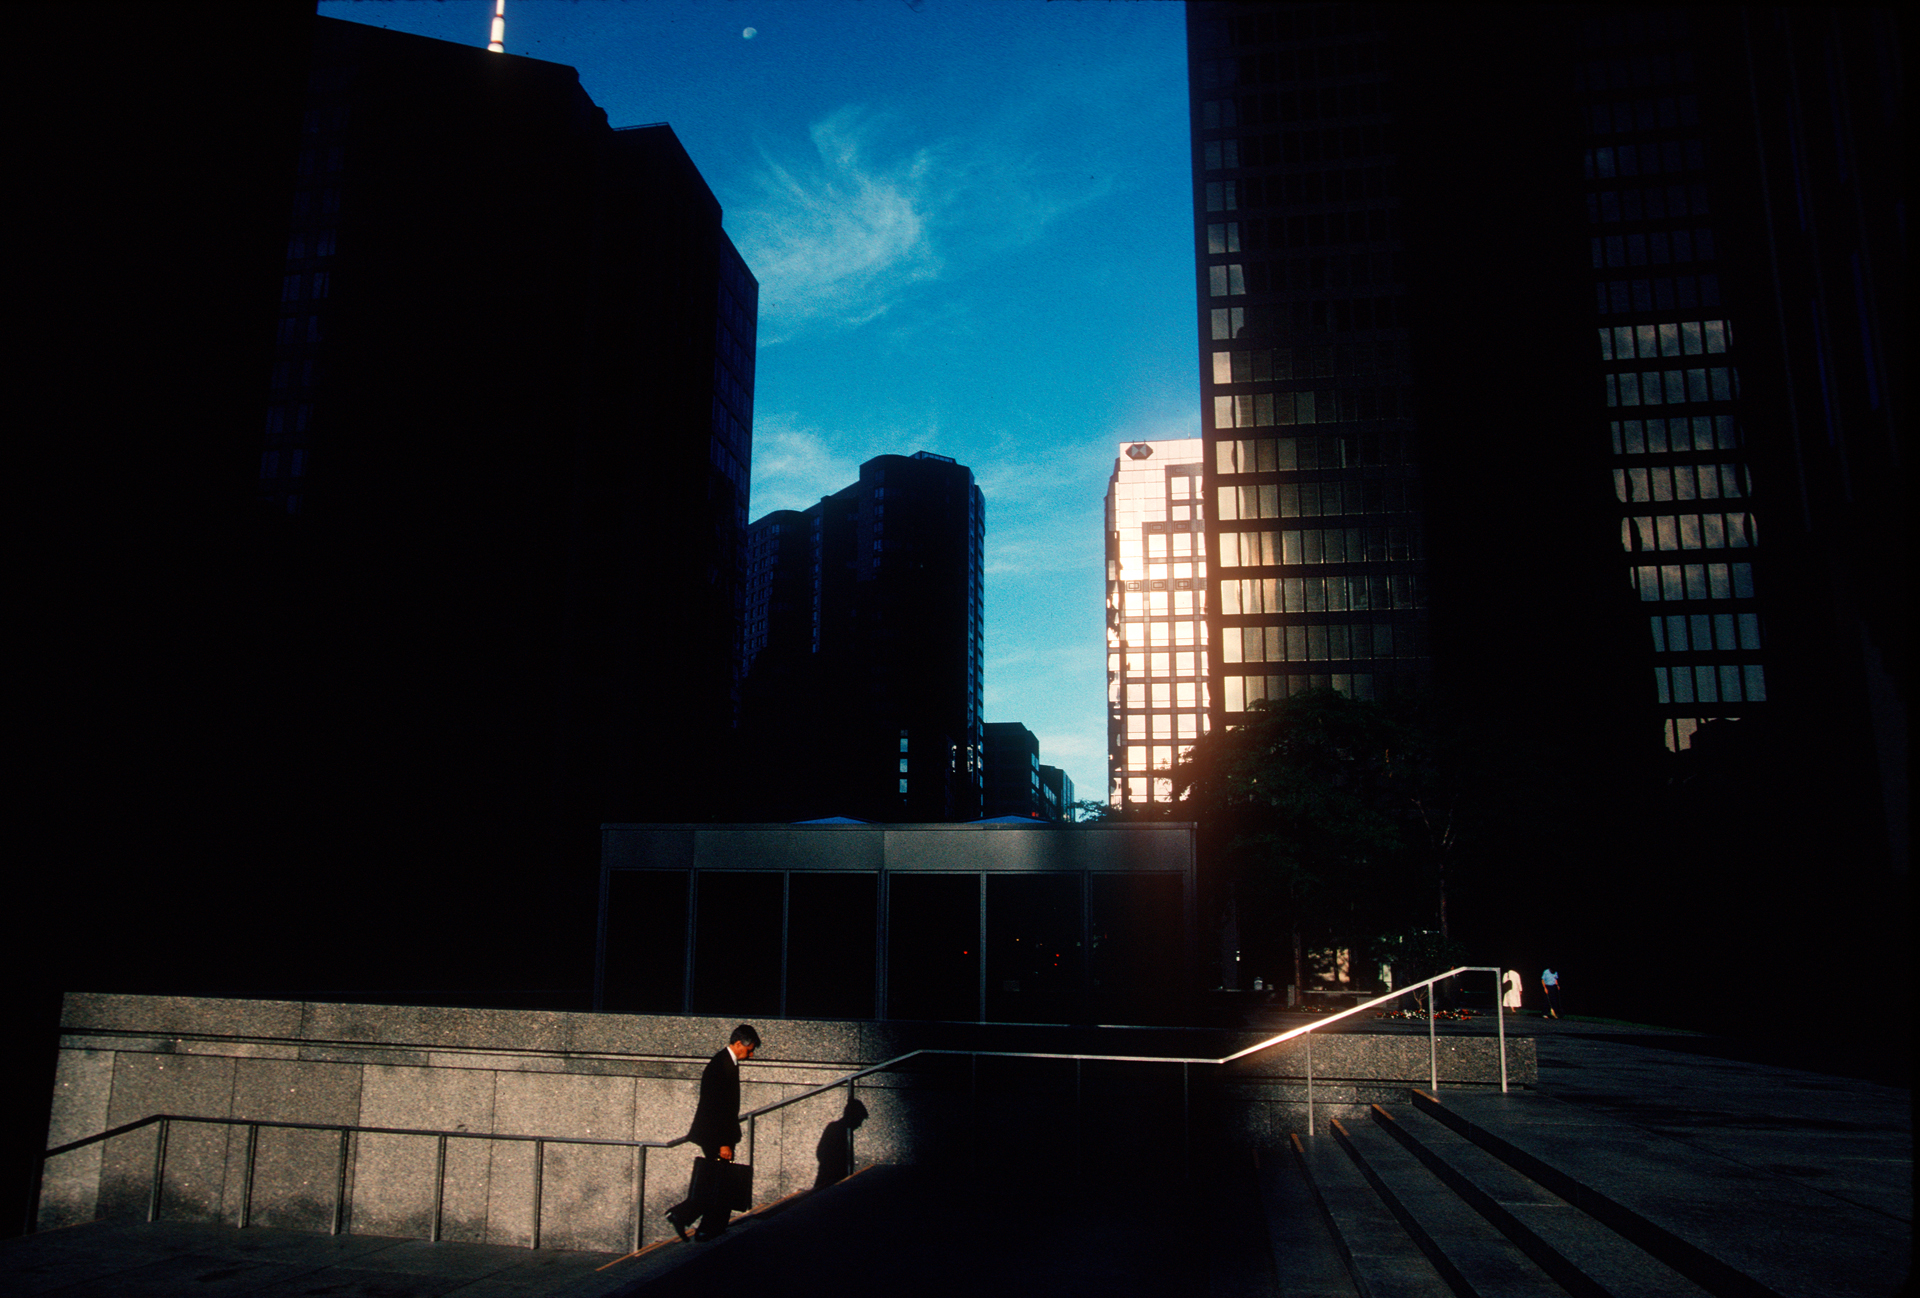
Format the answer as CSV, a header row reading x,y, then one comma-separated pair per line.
x,y
834,237
843,230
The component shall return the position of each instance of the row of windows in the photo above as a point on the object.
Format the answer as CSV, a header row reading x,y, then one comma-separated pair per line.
x,y
1161,757
1668,293
295,288
1679,338
1726,683
1367,225
1400,590
1324,499
1687,532
1680,633
307,202
1636,27
1159,635
1342,315
1659,436
1318,545
296,329
1166,694
1301,274
1676,581
313,161
289,419
324,243
1293,148
1160,664
1664,113
1290,454
1285,409
1622,161
1163,725
271,462
285,373
1654,248
1681,482
1159,603
1336,642
1258,108
1300,64
1599,76
1672,387
1345,185
1654,203
1158,546
1238,693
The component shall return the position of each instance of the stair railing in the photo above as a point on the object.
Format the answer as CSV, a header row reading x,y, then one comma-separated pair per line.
x,y
851,1081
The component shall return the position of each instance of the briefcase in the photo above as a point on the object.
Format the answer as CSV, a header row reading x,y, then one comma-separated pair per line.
x,y
718,1183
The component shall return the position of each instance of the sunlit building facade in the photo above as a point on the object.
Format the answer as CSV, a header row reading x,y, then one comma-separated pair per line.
x,y
1157,671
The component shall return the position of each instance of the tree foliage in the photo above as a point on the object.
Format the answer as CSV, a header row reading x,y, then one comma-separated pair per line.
x,y
1336,820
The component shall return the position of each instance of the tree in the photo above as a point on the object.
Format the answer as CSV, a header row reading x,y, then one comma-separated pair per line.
x,y
1335,818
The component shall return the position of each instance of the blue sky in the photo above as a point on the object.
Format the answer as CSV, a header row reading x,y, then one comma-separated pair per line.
x,y
970,224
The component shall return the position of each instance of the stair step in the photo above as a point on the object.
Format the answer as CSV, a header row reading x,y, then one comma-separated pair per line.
x,y
1473,1257
1382,1259
1736,1230
1585,1257
1306,1257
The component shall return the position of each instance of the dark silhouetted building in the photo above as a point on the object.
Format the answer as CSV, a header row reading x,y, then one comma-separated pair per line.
x,y
1549,371
1013,771
1056,793
865,651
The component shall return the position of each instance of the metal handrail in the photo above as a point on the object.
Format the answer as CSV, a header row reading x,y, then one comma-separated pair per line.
x,y
749,1118
346,1131
1433,1050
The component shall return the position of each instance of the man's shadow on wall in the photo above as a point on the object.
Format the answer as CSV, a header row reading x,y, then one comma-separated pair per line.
x,y
835,1150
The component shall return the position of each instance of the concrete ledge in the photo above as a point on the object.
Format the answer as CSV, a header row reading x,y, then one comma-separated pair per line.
x,y
562,1075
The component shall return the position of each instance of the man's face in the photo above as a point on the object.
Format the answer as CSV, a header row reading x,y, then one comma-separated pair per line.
x,y
741,1050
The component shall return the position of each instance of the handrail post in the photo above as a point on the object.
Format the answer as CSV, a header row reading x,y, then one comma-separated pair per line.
x,y
159,1170
1310,1084
439,1189
640,1199
1433,1040
246,1175
1500,1018
539,1167
340,1182
35,1176
1186,1118
750,1130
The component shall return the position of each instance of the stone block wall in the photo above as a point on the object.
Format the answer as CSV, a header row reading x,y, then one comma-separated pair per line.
x,y
604,1076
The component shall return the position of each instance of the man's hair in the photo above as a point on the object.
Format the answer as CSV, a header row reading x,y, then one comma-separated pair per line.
x,y
746,1036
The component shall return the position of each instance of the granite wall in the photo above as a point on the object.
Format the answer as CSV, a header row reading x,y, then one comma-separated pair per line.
x,y
610,1076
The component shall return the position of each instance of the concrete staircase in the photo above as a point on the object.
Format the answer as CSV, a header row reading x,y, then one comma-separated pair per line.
x,y
1511,1196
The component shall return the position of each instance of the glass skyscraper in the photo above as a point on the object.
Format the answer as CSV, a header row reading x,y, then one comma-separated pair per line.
x,y
1156,617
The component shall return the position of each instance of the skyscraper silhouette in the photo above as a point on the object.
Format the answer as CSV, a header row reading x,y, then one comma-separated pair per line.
x,y
866,641
1545,360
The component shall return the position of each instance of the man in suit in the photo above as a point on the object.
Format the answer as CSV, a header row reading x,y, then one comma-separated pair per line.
x,y
716,1128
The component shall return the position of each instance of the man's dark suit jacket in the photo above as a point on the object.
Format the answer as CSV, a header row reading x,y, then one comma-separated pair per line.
x,y
716,1119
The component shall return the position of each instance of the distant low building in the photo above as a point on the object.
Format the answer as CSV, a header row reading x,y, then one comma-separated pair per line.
x,y
1056,793
977,923
1013,771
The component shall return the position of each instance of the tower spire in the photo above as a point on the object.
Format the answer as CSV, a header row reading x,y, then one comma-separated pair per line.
x,y
497,37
